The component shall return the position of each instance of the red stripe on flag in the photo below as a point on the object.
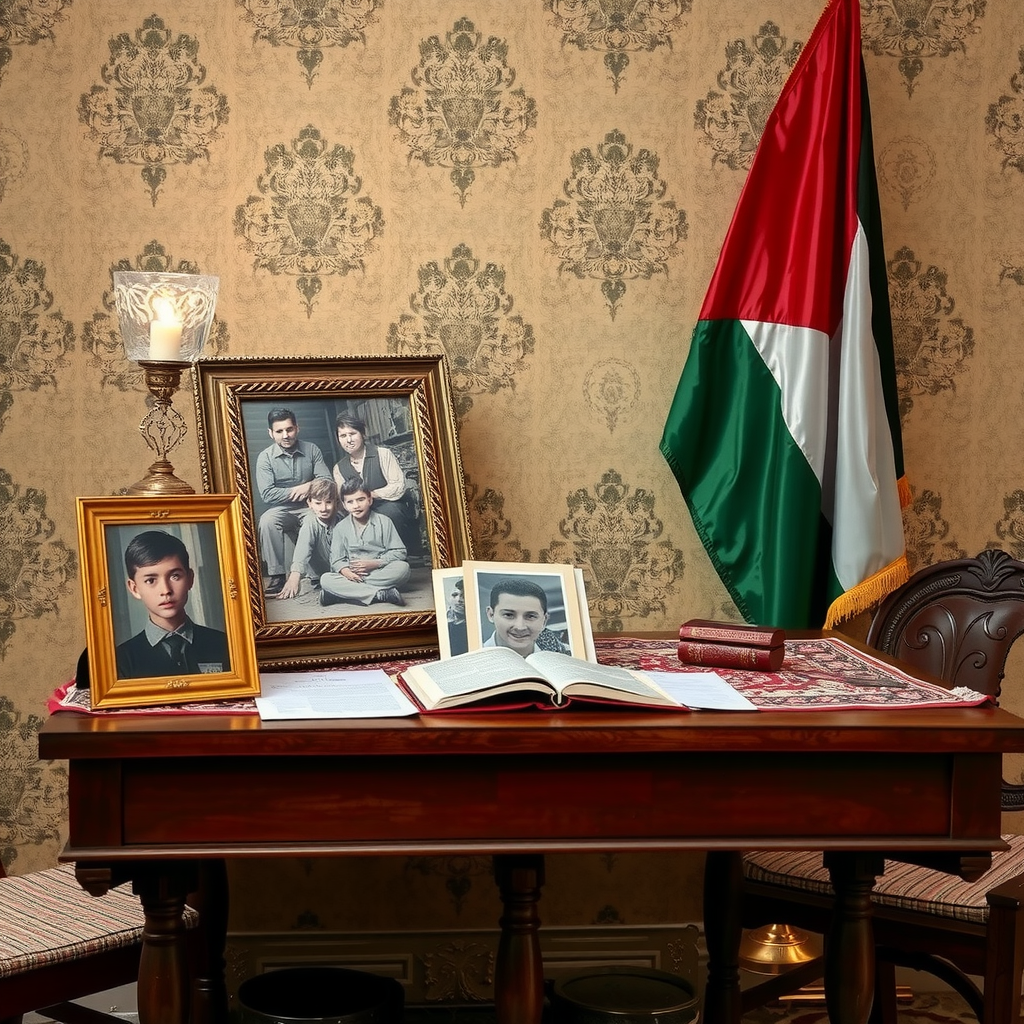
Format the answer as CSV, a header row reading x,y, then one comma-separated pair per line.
x,y
796,218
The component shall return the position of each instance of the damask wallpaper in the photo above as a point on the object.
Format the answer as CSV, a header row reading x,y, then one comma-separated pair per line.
x,y
537,188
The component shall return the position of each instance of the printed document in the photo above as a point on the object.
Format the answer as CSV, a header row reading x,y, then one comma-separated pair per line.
x,y
359,693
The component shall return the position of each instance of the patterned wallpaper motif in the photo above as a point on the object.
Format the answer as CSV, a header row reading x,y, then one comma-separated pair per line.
x,y
932,346
1005,120
613,535
905,168
153,108
310,218
614,223
13,157
731,121
34,337
310,28
539,189
35,569
28,24
916,31
463,112
461,308
616,29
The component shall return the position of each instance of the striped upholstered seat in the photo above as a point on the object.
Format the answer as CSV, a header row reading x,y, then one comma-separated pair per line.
x,y
47,917
57,942
903,886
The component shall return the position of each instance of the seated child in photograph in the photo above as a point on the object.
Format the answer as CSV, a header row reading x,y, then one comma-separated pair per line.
x,y
368,558
312,555
159,575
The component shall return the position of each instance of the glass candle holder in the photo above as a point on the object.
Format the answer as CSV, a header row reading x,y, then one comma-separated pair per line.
x,y
165,320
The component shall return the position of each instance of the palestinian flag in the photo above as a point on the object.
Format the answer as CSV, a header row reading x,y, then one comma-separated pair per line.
x,y
784,432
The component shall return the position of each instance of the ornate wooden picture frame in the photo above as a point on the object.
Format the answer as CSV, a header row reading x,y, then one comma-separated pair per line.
x,y
396,417
153,565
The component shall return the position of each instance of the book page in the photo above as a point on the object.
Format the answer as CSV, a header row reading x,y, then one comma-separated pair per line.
x,y
361,693
705,691
478,674
573,676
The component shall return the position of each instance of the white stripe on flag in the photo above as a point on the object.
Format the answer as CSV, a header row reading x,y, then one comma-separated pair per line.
x,y
797,358
868,528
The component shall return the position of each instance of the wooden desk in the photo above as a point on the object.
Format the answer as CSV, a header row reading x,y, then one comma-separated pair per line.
x,y
155,799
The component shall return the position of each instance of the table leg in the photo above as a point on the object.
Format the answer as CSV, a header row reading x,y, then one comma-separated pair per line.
x,y
850,949
209,989
163,989
723,876
519,972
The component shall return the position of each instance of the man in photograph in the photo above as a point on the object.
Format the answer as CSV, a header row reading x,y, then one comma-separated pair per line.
x,y
159,575
284,472
518,610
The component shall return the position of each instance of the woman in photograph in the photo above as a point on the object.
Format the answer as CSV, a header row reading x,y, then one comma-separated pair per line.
x,y
381,473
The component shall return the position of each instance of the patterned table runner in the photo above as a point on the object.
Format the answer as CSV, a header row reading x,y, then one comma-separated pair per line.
x,y
823,674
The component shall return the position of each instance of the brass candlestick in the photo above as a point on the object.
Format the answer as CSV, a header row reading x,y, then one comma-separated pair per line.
x,y
777,947
162,428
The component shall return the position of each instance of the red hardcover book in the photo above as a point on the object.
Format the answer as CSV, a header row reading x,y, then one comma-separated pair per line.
x,y
760,659
732,633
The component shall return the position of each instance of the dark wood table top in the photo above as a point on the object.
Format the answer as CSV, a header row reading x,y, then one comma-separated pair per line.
x,y
575,730
968,729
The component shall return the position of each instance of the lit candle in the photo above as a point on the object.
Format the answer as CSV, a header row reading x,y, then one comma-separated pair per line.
x,y
165,333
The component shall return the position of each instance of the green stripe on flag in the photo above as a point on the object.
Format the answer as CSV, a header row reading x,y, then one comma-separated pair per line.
x,y
755,501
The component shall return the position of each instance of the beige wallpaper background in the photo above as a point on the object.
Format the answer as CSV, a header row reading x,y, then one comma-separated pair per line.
x,y
538,188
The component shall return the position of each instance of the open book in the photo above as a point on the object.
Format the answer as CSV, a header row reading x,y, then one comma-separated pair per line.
x,y
497,677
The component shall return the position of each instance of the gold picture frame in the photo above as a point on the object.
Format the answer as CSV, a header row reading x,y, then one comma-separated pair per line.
x,y
405,408
124,669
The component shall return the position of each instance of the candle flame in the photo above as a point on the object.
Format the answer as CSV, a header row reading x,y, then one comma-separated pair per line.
x,y
165,311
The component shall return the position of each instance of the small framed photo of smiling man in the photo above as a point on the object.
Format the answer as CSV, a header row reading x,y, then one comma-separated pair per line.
x,y
525,607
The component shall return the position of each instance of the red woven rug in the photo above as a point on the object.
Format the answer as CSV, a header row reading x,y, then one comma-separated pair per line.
x,y
817,675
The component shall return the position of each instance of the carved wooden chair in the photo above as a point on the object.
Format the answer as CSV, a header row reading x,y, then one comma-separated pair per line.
x,y
956,620
58,944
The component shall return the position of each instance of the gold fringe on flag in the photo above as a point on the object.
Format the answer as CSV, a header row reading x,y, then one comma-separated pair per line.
x,y
904,491
872,590
868,593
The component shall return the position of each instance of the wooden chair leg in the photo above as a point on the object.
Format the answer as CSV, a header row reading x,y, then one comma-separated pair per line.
x,y
883,1009
1004,960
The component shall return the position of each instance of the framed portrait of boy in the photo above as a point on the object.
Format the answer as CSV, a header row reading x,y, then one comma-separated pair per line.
x,y
166,615
352,493
524,606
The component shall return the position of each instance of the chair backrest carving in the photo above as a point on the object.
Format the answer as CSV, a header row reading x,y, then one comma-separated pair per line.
x,y
956,619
